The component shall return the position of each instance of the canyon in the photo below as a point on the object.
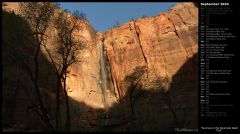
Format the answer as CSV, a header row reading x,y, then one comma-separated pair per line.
x,y
164,44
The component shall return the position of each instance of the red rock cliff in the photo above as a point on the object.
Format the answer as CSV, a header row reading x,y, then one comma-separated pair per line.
x,y
163,43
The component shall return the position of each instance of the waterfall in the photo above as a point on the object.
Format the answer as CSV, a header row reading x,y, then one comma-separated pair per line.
x,y
103,80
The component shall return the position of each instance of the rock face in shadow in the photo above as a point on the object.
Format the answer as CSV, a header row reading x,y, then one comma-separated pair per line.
x,y
162,43
167,44
151,111
18,94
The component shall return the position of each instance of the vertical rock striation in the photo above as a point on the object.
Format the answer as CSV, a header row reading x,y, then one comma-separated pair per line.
x,y
163,43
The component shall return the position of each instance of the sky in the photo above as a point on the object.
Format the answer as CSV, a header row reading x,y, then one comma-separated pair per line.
x,y
103,15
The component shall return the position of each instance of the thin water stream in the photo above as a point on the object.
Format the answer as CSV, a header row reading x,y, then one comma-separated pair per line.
x,y
103,81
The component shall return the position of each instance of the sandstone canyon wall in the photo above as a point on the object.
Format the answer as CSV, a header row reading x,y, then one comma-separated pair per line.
x,y
163,43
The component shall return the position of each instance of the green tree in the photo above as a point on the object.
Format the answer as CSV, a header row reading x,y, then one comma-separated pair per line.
x,y
79,15
117,24
144,16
